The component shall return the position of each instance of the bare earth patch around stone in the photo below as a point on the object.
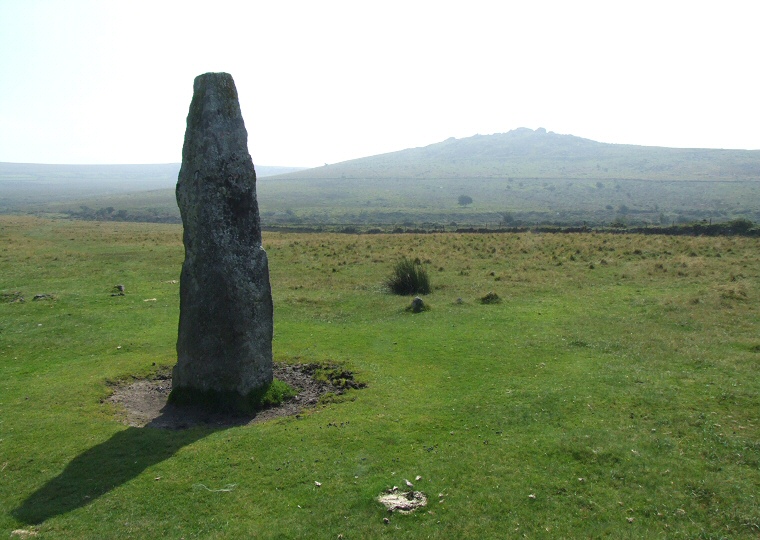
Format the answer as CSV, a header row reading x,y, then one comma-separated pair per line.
x,y
143,402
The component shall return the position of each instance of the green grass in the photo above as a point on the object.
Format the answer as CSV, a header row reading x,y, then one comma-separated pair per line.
x,y
616,383
425,202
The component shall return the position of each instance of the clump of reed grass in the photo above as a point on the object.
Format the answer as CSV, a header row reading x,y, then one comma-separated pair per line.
x,y
408,277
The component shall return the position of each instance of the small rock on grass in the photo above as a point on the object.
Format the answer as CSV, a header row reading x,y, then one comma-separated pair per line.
x,y
418,305
402,502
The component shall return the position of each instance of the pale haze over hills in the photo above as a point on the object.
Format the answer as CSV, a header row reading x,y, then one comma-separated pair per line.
x,y
531,175
520,153
523,153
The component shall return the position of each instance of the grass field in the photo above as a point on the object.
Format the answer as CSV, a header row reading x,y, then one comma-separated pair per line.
x,y
612,393
409,202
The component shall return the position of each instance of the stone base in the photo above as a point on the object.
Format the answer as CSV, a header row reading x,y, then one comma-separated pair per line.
x,y
230,402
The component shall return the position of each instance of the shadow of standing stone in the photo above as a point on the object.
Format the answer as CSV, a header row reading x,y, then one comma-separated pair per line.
x,y
103,468
224,344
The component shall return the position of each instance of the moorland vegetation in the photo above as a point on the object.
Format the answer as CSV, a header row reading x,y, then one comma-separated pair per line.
x,y
612,392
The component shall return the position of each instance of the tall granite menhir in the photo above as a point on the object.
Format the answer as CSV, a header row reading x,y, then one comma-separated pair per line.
x,y
224,346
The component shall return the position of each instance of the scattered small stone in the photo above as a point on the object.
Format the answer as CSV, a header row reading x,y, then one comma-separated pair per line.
x,y
318,484
532,496
118,290
44,296
408,483
417,478
418,305
402,502
386,520
150,300
12,297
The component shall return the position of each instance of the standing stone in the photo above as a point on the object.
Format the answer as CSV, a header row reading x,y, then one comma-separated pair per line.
x,y
224,347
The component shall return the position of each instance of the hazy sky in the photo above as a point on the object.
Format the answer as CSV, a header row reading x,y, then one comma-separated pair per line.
x,y
324,81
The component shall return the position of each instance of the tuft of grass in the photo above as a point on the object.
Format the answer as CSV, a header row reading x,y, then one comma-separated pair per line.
x,y
490,298
336,375
409,277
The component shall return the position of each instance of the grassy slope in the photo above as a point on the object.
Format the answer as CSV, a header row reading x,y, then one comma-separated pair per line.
x,y
524,153
397,201
535,176
637,376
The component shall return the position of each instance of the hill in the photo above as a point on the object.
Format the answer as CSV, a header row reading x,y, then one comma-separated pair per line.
x,y
524,153
522,177
32,184
518,178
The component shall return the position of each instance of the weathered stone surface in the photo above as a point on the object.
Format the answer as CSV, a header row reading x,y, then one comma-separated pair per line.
x,y
224,343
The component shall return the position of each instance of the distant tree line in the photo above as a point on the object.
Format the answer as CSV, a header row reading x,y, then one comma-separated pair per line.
x,y
506,222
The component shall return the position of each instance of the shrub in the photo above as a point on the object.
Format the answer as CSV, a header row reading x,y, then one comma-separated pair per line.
x,y
740,225
409,277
